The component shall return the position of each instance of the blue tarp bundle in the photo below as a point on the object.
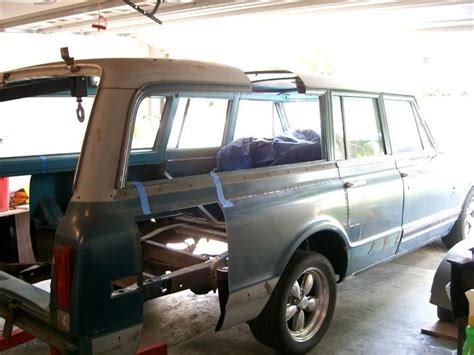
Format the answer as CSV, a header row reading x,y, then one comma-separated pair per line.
x,y
289,147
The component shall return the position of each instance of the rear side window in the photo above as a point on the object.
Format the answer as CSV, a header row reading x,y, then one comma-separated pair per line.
x,y
303,114
261,119
147,122
404,134
198,123
257,119
269,133
363,133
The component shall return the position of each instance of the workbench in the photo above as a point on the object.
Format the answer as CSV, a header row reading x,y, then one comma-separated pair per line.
x,y
22,231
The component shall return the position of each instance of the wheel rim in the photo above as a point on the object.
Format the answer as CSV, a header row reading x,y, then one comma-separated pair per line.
x,y
469,218
307,304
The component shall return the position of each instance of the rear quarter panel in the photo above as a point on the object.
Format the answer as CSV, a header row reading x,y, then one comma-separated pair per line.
x,y
270,217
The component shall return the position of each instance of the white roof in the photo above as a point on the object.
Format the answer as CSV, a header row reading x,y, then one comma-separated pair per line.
x,y
134,73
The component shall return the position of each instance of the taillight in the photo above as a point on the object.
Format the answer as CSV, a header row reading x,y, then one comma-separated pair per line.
x,y
63,258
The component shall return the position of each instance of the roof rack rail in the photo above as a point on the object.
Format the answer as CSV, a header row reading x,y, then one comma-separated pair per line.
x,y
275,81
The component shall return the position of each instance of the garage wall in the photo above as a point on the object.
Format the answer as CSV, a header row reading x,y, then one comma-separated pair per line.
x,y
19,49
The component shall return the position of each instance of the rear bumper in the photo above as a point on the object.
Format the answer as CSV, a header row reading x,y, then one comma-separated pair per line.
x,y
28,306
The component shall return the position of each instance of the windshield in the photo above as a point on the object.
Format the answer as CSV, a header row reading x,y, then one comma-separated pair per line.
x,y
40,117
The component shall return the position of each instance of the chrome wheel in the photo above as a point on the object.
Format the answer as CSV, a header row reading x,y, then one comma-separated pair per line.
x,y
299,311
307,304
469,219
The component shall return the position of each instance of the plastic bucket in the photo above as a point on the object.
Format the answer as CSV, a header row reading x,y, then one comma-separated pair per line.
x,y
4,194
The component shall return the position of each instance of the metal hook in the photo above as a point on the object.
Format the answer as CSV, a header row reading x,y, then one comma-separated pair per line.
x,y
70,64
80,110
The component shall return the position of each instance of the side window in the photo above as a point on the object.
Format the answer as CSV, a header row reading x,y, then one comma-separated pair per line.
x,y
338,128
260,139
198,123
147,122
404,134
304,114
362,127
425,136
257,119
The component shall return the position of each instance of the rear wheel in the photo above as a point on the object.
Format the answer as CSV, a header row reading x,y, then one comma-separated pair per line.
x,y
464,226
300,308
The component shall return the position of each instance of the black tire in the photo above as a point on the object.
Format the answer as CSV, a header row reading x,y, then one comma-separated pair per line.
x,y
445,315
463,228
272,328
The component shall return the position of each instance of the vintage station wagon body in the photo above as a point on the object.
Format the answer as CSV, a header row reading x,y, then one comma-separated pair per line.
x,y
378,189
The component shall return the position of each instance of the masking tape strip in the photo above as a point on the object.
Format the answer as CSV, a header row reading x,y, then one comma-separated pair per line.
x,y
143,197
220,192
43,164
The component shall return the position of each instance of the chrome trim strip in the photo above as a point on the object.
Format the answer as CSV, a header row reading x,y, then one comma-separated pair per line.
x,y
426,230
376,237
422,223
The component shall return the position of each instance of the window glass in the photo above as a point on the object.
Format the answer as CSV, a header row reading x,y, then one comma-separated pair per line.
x,y
338,128
260,141
303,114
362,127
147,122
257,119
402,126
198,123
425,138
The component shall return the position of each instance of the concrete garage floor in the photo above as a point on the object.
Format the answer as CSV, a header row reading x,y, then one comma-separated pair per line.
x,y
380,311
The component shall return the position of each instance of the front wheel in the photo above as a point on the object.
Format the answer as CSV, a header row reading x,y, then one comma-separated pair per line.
x,y
300,308
464,226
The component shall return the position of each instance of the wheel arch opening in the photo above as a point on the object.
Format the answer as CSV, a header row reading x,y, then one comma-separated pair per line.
x,y
331,245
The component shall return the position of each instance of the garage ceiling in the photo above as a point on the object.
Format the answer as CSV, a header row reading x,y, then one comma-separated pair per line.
x,y
47,16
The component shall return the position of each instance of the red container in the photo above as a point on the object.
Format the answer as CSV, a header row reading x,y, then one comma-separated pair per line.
x,y
4,194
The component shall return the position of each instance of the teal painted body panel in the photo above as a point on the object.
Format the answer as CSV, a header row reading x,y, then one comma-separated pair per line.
x,y
273,219
375,200
375,203
107,248
19,166
431,196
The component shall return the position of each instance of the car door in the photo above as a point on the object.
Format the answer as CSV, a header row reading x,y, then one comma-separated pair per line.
x,y
372,184
430,196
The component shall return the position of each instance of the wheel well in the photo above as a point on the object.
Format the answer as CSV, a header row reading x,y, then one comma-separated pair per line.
x,y
330,245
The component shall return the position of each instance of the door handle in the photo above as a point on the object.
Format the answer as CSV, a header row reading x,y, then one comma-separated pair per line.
x,y
404,175
353,184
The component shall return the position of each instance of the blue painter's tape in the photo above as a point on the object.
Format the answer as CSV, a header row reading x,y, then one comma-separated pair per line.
x,y
220,192
43,164
143,197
